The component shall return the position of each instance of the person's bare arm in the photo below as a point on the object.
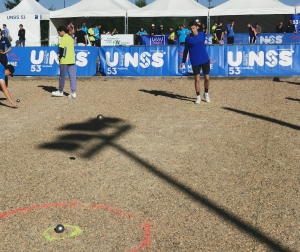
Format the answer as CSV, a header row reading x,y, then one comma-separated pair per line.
x,y
7,94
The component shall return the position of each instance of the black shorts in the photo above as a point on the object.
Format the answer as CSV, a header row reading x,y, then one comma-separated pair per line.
x,y
230,40
205,68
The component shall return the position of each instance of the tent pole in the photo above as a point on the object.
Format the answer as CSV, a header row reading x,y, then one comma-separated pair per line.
x,y
208,23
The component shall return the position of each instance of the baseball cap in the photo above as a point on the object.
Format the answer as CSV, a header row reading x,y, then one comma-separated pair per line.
x,y
11,69
153,25
197,20
161,25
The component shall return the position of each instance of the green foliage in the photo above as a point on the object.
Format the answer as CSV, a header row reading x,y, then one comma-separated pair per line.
x,y
141,3
10,4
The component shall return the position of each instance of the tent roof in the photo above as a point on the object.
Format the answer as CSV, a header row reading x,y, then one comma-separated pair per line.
x,y
95,8
27,7
170,8
251,7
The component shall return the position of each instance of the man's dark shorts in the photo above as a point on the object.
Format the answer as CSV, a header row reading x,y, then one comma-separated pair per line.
x,y
205,68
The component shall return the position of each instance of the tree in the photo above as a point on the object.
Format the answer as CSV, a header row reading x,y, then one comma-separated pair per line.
x,y
10,4
140,3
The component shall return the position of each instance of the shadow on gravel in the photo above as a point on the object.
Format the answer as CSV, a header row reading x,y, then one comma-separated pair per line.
x,y
277,79
292,99
95,129
272,120
167,94
50,89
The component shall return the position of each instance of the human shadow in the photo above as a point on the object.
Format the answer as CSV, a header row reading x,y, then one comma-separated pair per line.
x,y
269,119
277,79
50,89
292,99
78,135
5,105
167,94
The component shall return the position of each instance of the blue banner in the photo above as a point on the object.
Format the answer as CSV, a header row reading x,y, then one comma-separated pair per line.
x,y
139,61
42,61
239,39
236,60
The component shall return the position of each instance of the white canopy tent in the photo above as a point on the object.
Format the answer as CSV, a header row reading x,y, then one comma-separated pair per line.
x,y
28,13
170,8
251,7
91,8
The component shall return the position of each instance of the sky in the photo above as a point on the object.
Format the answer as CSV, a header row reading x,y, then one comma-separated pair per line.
x,y
59,4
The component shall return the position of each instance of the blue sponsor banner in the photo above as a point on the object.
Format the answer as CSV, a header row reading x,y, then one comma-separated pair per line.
x,y
139,61
262,60
236,60
42,61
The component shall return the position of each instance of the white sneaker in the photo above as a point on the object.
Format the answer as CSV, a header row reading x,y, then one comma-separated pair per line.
x,y
206,97
72,95
198,99
57,93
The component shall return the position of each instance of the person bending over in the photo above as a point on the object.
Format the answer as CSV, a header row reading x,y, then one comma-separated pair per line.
x,y
4,72
195,46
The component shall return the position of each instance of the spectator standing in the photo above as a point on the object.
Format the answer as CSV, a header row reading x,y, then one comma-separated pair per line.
x,y
91,34
66,57
280,28
204,29
252,33
97,35
139,34
80,37
98,43
199,25
290,27
171,38
213,28
152,31
182,33
5,47
161,30
21,34
70,28
230,32
114,32
85,29
6,33
257,29
218,34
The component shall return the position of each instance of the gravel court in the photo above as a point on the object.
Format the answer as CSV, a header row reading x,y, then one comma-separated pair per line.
x,y
222,176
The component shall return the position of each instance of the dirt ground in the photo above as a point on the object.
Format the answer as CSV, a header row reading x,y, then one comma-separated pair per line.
x,y
158,173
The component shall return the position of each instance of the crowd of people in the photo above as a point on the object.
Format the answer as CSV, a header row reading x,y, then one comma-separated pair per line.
x,y
84,36
217,31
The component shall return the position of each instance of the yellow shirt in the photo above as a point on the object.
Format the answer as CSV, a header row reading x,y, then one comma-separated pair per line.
x,y
91,33
67,43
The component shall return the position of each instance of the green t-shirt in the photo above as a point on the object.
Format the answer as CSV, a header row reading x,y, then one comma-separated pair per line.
x,y
67,43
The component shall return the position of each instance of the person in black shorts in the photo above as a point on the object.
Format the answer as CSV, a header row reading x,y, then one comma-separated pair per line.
x,y
218,35
195,46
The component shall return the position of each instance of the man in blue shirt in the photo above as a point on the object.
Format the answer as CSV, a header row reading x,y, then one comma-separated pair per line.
x,y
230,32
182,33
139,34
97,35
195,46
4,72
85,29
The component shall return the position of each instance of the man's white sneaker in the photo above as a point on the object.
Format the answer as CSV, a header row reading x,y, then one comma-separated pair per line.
x,y
72,95
198,99
57,93
206,97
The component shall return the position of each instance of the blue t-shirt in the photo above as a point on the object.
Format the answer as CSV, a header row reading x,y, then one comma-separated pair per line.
x,y
96,31
2,70
142,32
230,31
182,34
85,29
197,49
